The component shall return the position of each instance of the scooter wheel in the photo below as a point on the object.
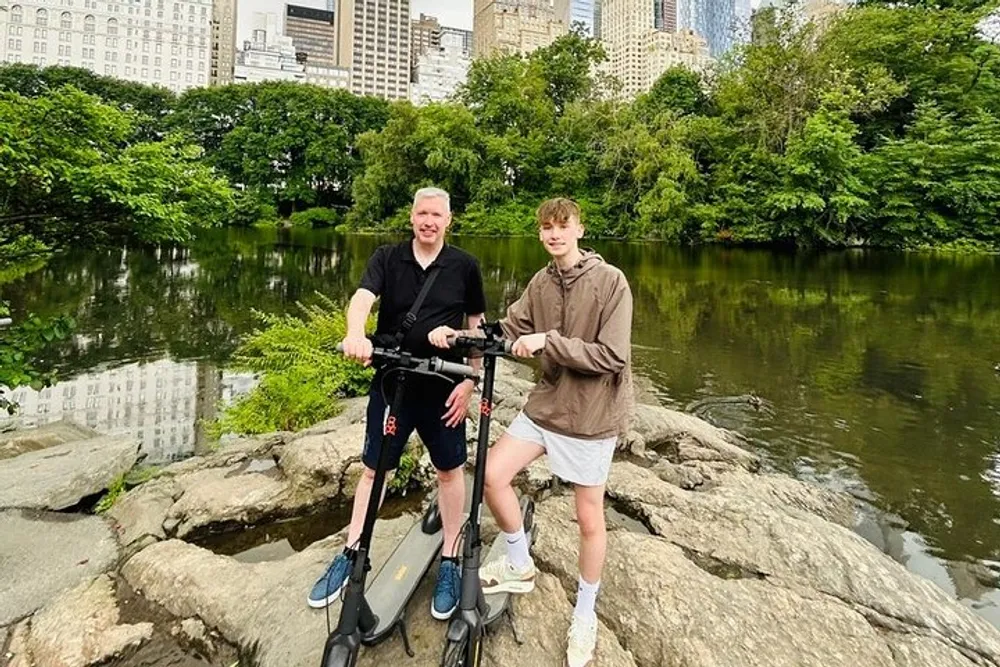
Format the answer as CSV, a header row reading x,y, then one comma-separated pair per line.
x,y
340,656
454,655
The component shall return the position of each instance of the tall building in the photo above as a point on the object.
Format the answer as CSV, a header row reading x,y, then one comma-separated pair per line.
x,y
665,15
314,34
573,12
598,8
223,42
638,52
721,22
425,35
380,46
147,43
271,55
514,26
438,72
663,50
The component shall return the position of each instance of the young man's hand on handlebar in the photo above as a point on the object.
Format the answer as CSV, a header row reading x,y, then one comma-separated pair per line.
x,y
358,348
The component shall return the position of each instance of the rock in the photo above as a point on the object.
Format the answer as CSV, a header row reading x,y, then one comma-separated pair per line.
x,y
60,476
911,651
194,630
34,571
17,648
668,611
686,438
258,605
213,497
783,491
316,463
542,618
352,411
80,628
14,443
139,515
683,476
752,531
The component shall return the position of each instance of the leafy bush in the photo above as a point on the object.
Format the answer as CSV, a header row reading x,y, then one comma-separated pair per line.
x,y
302,376
315,217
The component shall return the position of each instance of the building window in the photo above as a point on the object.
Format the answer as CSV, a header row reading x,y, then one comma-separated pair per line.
x,y
42,17
89,23
112,26
66,21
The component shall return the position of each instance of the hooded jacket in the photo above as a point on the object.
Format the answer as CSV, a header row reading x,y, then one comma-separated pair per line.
x,y
586,313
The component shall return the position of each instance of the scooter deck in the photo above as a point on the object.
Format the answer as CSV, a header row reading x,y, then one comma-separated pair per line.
x,y
391,587
394,584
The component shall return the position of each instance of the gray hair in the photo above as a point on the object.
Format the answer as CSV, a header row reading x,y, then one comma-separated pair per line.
x,y
429,193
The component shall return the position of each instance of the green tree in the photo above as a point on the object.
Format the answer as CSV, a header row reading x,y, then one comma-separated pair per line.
x,y
71,173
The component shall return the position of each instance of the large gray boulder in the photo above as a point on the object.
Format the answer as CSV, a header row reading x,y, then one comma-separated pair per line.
x,y
79,629
44,553
756,533
14,443
60,476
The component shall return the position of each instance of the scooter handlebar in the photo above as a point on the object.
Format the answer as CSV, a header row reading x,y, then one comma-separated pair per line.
x,y
432,365
479,343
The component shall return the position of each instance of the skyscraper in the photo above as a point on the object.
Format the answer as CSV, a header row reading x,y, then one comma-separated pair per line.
x,y
721,22
514,26
665,15
380,46
168,47
638,51
223,42
314,34
572,12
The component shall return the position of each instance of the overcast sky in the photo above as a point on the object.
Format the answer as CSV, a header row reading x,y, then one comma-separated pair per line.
x,y
454,13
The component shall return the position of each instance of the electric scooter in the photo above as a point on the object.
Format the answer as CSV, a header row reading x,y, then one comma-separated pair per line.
x,y
370,616
477,611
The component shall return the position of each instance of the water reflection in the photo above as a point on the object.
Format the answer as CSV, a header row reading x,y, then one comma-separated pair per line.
x,y
163,404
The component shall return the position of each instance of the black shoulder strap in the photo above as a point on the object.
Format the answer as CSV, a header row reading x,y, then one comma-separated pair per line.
x,y
411,315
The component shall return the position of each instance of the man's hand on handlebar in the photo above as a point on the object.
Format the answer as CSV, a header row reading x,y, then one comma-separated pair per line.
x,y
442,337
358,348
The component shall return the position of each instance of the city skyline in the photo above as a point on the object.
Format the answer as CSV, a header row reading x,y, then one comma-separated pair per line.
x,y
457,14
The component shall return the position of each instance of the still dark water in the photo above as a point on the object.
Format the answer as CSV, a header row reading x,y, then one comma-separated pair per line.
x,y
878,371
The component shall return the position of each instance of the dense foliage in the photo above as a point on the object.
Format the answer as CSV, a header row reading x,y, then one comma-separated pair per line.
x,y
881,127
74,171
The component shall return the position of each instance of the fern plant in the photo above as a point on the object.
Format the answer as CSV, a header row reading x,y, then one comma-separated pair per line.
x,y
301,374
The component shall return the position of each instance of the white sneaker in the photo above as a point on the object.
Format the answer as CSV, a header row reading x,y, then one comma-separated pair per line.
x,y
500,576
582,638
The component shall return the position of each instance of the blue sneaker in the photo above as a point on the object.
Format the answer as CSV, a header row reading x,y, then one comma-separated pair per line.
x,y
447,591
328,587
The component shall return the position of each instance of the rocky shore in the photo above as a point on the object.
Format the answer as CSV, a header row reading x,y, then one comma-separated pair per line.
x,y
717,563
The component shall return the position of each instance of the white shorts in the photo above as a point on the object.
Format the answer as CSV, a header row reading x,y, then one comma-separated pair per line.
x,y
583,462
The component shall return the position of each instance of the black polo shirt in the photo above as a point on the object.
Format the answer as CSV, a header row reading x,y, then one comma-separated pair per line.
x,y
394,275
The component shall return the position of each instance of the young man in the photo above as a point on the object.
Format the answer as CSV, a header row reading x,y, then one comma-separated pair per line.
x,y
577,312
435,408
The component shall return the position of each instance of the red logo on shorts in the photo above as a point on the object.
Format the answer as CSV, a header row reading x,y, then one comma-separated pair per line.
x,y
485,408
390,426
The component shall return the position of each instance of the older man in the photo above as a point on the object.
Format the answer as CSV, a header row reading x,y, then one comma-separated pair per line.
x,y
437,410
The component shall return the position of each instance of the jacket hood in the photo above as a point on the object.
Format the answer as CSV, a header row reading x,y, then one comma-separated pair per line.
x,y
589,261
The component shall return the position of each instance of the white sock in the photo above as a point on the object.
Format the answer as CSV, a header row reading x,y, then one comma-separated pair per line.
x,y
517,549
586,598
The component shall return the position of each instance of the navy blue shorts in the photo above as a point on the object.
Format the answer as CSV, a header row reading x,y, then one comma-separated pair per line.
x,y
422,409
